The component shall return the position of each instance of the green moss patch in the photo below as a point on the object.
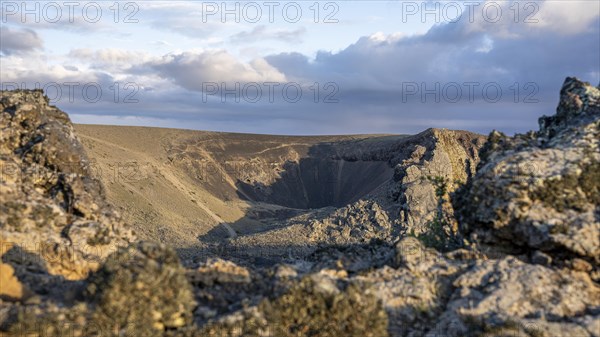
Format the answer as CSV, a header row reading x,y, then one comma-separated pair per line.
x,y
572,191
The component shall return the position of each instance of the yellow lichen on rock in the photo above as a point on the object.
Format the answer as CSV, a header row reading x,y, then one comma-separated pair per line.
x,y
11,288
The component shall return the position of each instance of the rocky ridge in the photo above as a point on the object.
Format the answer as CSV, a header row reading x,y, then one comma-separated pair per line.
x,y
55,221
539,193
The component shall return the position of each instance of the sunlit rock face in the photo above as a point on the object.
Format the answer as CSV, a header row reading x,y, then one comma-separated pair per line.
x,y
541,191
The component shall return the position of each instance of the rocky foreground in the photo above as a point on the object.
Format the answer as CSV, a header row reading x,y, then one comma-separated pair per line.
x,y
514,251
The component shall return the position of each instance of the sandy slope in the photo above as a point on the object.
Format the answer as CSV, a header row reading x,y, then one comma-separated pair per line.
x,y
155,198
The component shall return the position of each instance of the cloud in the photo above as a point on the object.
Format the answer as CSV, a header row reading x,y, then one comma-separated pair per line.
x,y
35,71
451,52
191,69
189,26
527,63
563,17
161,43
261,33
19,41
514,18
110,59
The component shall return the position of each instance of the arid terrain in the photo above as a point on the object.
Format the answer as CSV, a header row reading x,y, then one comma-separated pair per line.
x,y
195,189
134,231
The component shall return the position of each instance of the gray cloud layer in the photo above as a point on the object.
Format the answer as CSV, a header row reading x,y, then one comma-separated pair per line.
x,y
372,75
261,32
13,41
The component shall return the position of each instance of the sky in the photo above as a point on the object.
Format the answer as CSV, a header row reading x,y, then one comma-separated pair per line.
x,y
302,67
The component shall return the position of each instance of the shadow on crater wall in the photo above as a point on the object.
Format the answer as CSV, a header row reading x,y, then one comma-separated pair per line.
x,y
319,180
